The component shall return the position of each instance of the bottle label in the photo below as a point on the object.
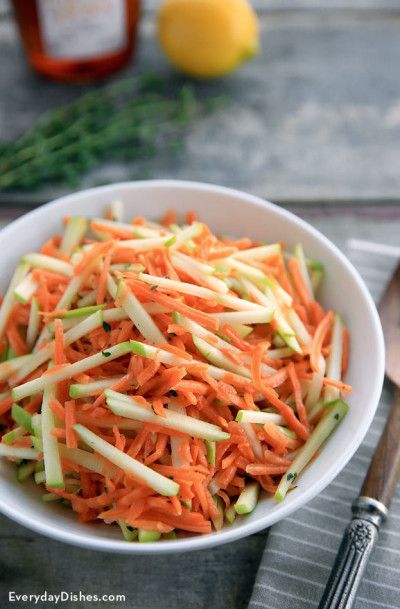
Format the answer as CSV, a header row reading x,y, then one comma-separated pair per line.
x,y
81,29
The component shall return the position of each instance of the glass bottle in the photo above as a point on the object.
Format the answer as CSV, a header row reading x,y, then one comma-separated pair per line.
x,y
77,40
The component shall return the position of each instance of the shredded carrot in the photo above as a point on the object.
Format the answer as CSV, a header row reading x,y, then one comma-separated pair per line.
x,y
196,387
115,231
169,268
267,484
226,476
158,407
276,438
222,252
58,409
138,221
191,217
338,384
50,249
119,438
175,305
33,406
271,395
70,420
15,339
319,337
53,369
86,484
5,404
235,338
316,312
175,351
184,451
298,281
168,380
91,255
59,357
259,469
273,459
147,373
297,394
23,442
52,279
102,284
168,218
176,504
345,352
232,355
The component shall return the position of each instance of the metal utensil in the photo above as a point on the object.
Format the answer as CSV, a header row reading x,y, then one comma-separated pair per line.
x,y
371,506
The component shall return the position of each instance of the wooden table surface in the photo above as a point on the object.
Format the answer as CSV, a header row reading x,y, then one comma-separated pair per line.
x,y
315,116
314,119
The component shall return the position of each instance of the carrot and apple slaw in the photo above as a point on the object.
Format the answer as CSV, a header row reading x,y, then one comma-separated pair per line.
x,y
160,377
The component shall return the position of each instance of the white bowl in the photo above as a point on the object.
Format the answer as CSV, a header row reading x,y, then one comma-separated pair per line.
x,y
230,212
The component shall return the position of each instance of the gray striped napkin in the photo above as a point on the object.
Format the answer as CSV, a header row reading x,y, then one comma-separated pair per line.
x,y
301,549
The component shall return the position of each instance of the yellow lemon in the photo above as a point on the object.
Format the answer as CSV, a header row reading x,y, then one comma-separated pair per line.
x,y
207,38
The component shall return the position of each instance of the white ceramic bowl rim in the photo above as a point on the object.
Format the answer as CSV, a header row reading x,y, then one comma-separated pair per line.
x,y
246,528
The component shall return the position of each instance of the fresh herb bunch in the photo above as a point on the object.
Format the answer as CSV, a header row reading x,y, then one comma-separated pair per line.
x,y
132,119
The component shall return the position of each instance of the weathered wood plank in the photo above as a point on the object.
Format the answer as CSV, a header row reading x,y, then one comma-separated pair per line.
x,y
299,5
316,115
262,5
220,578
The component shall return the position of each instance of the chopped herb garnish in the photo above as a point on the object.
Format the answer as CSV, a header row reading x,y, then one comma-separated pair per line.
x,y
336,416
106,353
153,287
291,476
106,327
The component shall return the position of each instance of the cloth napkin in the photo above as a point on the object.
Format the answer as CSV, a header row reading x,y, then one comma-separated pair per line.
x,y
301,549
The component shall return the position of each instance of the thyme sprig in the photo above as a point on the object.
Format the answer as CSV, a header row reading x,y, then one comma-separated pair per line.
x,y
131,119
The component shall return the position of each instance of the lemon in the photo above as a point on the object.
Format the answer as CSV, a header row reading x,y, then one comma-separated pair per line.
x,y
207,38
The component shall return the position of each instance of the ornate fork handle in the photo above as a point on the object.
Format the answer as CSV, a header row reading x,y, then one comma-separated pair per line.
x,y
355,549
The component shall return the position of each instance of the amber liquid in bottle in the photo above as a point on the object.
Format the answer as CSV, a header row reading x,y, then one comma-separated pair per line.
x,y
77,40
